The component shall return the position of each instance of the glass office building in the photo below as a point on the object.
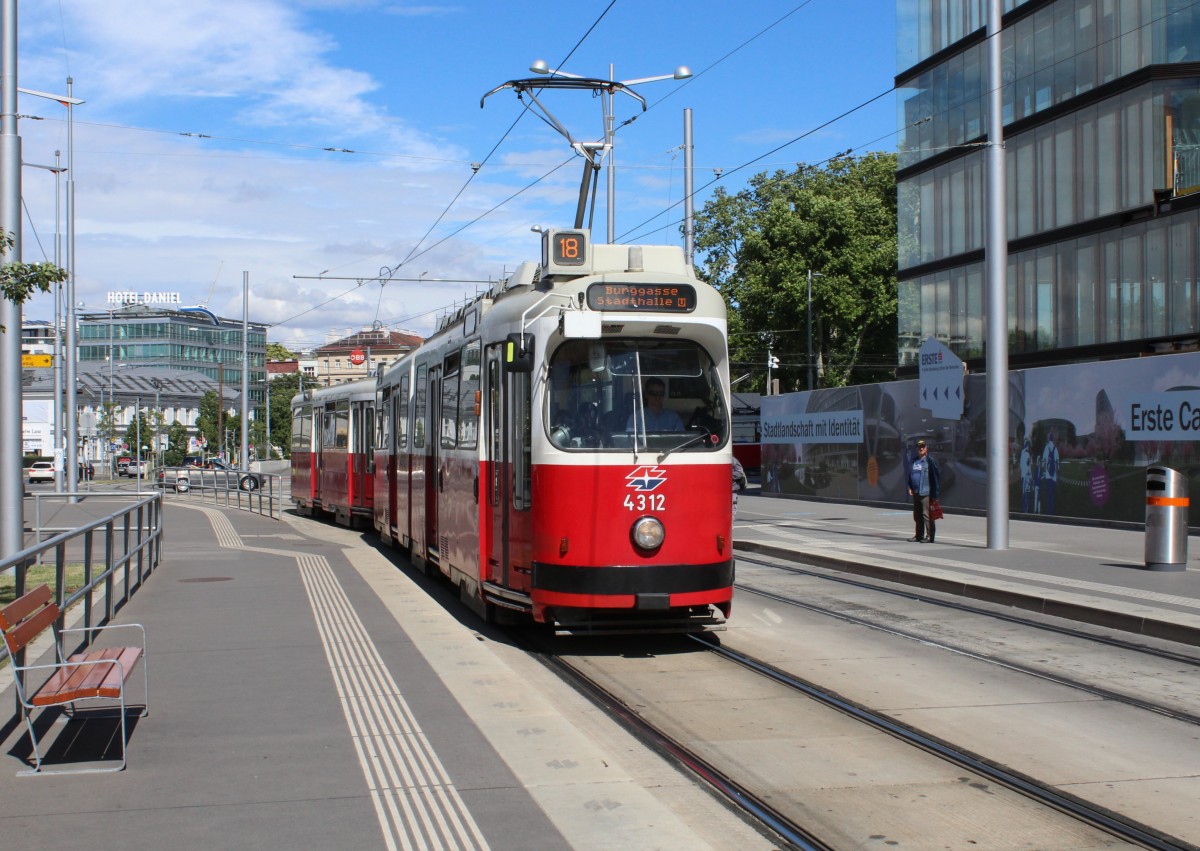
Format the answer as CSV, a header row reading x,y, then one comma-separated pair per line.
x,y
1101,103
136,335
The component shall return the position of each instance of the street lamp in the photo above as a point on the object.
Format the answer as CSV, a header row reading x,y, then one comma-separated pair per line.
x,y
811,275
680,73
72,440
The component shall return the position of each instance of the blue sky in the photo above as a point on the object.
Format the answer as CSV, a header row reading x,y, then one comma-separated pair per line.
x,y
271,85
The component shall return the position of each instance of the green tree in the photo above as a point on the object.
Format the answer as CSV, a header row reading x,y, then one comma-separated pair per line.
x,y
18,281
177,445
278,351
144,422
283,388
106,423
206,420
837,220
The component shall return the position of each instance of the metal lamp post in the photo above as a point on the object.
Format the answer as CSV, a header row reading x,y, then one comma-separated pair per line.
x,y
680,73
811,275
69,378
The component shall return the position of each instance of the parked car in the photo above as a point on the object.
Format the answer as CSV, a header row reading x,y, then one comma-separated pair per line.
x,y
136,469
123,465
41,471
246,480
183,479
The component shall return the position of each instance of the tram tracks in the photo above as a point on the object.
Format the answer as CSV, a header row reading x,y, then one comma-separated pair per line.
x,y
1075,808
819,783
777,800
1009,660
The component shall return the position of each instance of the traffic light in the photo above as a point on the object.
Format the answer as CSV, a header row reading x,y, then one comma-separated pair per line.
x,y
772,362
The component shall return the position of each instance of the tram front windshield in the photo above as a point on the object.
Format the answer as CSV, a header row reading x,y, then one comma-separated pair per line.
x,y
618,394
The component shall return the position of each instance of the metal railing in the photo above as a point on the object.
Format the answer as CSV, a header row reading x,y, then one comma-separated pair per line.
x,y
123,545
262,493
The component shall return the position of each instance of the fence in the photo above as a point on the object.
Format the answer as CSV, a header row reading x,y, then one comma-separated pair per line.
x,y
262,493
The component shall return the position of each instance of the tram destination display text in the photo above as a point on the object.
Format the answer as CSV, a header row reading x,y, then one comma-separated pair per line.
x,y
662,298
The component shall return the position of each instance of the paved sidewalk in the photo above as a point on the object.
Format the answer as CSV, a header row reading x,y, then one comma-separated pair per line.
x,y
1089,574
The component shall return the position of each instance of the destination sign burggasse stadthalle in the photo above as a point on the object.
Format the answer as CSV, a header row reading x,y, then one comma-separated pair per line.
x,y
662,298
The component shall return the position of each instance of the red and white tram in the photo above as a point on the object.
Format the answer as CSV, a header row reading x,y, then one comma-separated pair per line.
x,y
333,435
560,448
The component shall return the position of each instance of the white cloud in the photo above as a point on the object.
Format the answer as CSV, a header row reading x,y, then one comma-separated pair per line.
x,y
161,211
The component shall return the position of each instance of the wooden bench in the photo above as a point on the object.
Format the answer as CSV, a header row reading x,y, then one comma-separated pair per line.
x,y
94,674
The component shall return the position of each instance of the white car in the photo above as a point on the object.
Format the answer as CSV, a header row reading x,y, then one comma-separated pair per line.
x,y
41,471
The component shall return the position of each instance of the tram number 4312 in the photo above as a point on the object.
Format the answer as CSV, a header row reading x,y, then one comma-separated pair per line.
x,y
645,502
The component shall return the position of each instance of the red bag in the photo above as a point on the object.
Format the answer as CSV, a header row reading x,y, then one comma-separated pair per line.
x,y
935,510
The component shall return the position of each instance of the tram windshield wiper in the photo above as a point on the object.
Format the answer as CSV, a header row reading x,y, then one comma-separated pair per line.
x,y
695,437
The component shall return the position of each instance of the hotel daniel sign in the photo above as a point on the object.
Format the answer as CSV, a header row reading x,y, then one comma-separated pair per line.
x,y
123,297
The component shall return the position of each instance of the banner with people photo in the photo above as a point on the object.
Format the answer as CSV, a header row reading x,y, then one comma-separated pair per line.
x,y
1080,438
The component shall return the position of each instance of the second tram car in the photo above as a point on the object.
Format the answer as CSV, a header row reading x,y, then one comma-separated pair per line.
x,y
560,448
333,465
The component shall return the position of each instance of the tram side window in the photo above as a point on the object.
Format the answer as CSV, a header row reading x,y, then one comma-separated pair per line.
x,y
420,406
402,415
341,436
383,423
450,395
328,430
301,418
468,399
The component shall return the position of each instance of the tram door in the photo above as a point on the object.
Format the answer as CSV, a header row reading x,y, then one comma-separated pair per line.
x,y
433,463
415,463
495,486
320,424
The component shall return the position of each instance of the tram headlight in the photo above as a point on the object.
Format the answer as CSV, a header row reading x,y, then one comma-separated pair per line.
x,y
647,533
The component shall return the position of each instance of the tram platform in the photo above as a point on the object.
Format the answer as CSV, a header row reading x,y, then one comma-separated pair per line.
x,y
1081,573
309,689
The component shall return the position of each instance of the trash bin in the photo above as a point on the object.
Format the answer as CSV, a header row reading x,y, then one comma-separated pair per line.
x,y
1166,519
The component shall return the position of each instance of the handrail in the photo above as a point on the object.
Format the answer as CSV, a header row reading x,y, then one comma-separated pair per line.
x,y
265,499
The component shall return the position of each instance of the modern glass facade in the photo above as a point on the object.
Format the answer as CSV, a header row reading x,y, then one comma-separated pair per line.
x,y
135,336
1102,145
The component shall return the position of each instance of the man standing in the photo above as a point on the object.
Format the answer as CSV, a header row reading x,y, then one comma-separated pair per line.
x,y
922,487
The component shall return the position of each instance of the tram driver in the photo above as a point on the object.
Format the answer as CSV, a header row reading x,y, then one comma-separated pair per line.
x,y
656,417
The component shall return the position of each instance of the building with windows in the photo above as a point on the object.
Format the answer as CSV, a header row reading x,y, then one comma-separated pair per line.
x,y
1102,144
188,339
357,356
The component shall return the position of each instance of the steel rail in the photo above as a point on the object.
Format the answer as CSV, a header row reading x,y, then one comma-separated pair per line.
x,y
1080,810
748,806
941,644
1107,640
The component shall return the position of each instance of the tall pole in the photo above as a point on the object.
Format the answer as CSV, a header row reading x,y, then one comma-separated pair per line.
x,y
611,176
58,425
72,345
220,435
12,492
689,207
137,434
810,356
996,263
245,370
268,397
